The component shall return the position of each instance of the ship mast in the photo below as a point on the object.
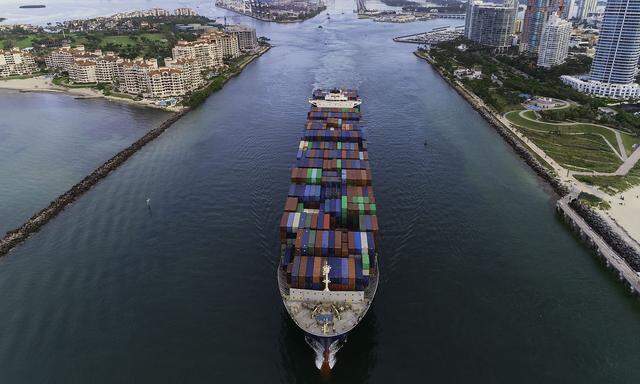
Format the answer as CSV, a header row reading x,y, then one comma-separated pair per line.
x,y
325,272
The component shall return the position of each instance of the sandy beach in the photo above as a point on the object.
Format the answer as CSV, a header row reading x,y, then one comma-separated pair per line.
x,y
627,212
44,84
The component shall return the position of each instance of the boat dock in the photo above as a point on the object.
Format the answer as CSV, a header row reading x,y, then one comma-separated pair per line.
x,y
438,35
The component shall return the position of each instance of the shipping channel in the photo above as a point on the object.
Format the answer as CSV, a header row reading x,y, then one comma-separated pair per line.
x,y
481,281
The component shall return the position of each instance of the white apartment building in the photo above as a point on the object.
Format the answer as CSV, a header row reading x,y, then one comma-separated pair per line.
x,y
185,12
207,53
166,82
107,68
62,58
229,42
601,89
157,12
16,62
133,75
190,72
83,71
554,42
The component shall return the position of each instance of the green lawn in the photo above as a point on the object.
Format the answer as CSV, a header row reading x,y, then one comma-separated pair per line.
x,y
127,40
629,141
515,118
577,152
24,42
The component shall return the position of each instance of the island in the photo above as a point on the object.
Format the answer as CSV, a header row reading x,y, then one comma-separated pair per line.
x,y
128,57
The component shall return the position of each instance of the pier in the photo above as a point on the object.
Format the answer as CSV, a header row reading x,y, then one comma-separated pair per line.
x,y
595,241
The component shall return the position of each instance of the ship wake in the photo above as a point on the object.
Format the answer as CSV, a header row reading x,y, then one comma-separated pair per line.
x,y
325,351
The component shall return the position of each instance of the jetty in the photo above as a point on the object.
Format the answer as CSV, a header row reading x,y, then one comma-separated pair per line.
x,y
611,258
18,235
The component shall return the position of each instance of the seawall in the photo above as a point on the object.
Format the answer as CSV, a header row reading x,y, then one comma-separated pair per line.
x,y
18,235
599,236
601,239
503,131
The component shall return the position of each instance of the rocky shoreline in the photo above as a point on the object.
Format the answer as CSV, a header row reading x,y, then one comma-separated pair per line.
x,y
33,225
598,225
626,252
18,235
503,131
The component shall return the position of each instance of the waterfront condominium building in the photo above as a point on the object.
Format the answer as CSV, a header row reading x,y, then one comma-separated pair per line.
x,y
165,82
16,62
83,71
192,78
246,36
107,67
535,16
490,24
554,42
133,75
615,64
585,7
227,42
207,54
185,12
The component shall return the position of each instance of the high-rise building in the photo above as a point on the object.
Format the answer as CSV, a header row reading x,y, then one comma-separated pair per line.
x,y
615,65
569,9
536,14
618,48
490,24
16,62
585,7
554,42
247,39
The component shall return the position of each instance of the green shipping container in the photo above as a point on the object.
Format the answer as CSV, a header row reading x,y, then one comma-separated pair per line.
x,y
365,260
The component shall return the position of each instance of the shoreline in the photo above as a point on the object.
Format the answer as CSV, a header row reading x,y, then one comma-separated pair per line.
x,y
597,236
18,235
43,84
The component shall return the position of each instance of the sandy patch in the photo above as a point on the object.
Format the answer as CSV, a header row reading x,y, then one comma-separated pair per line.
x,y
627,212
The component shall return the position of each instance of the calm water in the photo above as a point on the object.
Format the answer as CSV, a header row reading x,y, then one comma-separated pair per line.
x,y
480,281
50,142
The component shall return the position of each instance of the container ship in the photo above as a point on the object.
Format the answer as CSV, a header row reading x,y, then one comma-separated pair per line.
x,y
328,271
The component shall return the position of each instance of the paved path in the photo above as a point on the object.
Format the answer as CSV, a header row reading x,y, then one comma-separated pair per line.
x,y
622,155
628,161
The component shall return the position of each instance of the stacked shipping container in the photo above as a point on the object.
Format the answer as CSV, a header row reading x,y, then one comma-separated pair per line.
x,y
330,213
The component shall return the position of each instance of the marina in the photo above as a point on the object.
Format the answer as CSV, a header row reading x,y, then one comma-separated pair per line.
x,y
435,36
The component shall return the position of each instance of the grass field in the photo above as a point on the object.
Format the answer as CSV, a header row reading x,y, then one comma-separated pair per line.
x,y
515,118
126,40
586,152
579,147
24,42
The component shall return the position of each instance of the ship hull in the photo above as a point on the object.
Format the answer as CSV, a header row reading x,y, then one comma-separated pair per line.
x,y
328,271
